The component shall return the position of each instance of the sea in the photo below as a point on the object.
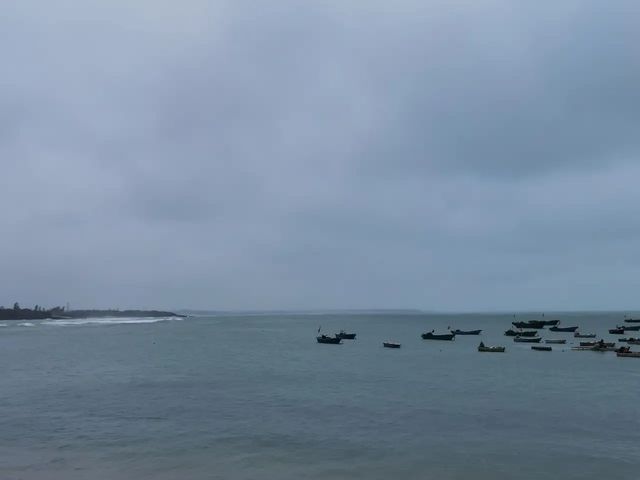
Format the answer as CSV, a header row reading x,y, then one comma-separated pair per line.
x,y
253,396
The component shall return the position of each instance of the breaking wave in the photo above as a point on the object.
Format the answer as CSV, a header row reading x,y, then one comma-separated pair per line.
x,y
70,322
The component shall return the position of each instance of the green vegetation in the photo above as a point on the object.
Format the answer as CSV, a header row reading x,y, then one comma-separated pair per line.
x,y
41,313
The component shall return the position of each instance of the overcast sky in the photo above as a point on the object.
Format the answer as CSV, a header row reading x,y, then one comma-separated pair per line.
x,y
445,155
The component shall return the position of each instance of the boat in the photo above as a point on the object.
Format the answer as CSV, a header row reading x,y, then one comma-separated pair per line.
x,y
593,349
391,345
346,336
550,323
632,320
521,333
632,328
558,341
587,344
435,336
563,329
541,348
326,339
633,341
626,352
483,348
467,332
527,339
529,324
584,335
617,331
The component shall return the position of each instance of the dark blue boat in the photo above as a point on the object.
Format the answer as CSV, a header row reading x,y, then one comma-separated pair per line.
x,y
467,332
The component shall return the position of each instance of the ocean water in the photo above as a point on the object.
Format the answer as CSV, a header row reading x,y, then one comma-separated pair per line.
x,y
251,397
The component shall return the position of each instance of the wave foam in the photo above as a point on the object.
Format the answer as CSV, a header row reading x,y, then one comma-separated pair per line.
x,y
26,324
70,322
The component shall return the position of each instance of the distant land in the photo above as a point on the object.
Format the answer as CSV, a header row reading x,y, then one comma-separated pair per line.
x,y
41,313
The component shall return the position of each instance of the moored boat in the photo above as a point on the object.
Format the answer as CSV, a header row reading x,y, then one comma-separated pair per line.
x,y
529,324
558,341
496,349
467,332
633,341
521,333
631,328
527,339
626,352
329,340
584,335
438,336
391,345
632,320
617,331
587,344
550,323
346,336
541,348
563,329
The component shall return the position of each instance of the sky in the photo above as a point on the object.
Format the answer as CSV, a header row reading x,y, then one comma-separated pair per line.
x,y
444,155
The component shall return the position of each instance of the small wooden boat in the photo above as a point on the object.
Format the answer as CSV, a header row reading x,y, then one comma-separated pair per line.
x,y
391,345
483,348
521,333
346,336
632,328
527,339
467,332
550,323
584,335
435,336
563,329
558,341
626,352
617,331
541,348
632,320
329,340
529,324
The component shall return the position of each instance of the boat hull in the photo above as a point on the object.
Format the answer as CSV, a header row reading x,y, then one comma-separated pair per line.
x,y
538,324
540,348
329,340
491,349
391,345
629,354
467,332
527,339
346,336
558,342
435,336
563,329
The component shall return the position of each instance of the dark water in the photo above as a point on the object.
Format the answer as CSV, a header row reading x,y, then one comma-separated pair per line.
x,y
256,397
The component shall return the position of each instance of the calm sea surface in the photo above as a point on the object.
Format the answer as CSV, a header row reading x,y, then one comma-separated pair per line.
x,y
248,397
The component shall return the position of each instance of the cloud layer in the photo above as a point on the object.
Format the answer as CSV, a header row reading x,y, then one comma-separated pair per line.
x,y
269,155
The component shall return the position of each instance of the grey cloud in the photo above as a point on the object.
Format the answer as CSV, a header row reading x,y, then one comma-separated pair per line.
x,y
261,155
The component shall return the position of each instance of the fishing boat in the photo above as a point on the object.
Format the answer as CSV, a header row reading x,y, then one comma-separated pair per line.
x,y
584,335
391,345
563,329
632,328
521,333
483,348
632,320
587,344
550,323
330,340
541,348
435,336
527,339
346,336
617,331
561,341
467,332
529,324
626,352
633,341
